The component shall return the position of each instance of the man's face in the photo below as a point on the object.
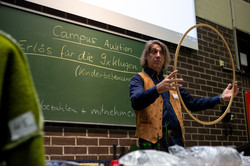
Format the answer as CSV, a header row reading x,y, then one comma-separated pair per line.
x,y
155,58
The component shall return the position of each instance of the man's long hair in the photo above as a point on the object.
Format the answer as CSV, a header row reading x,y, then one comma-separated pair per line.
x,y
146,52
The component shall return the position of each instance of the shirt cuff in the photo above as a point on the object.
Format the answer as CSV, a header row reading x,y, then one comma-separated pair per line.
x,y
155,92
218,99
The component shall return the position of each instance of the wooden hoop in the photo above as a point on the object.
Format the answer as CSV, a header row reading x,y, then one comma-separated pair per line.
x,y
233,69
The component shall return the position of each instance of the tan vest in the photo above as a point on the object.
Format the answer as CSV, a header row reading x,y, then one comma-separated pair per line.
x,y
149,120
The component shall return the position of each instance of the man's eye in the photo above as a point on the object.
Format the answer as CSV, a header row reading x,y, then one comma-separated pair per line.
x,y
154,52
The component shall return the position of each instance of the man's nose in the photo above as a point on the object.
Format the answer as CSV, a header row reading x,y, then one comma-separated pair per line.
x,y
158,54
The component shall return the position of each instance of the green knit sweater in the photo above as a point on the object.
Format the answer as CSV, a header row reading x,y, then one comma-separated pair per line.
x,y
21,120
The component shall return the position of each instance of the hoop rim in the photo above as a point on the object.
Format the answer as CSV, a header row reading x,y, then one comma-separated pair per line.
x,y
233,69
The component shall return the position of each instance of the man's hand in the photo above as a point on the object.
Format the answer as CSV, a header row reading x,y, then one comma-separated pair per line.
x,y
228,92
169,83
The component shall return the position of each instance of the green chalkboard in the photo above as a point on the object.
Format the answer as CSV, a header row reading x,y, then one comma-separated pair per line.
x,y
81,74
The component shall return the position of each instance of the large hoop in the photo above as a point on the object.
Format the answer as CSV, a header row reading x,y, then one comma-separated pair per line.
x,y
233,69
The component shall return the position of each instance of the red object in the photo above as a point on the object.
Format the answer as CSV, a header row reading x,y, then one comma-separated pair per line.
x,y
247,101
114,163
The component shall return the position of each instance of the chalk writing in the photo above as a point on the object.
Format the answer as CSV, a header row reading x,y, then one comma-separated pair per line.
x,y
77,39
82,71
35,47
111,112
58,31
92,111
85,57
116,62
76,61
117,46
66,52
58,107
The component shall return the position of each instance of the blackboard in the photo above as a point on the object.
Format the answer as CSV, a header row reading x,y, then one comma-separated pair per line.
x,y
81,74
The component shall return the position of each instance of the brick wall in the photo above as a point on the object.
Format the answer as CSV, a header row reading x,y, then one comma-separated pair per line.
x,y
203,77
86,142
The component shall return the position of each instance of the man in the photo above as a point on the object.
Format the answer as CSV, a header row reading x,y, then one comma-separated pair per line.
x,y
154,98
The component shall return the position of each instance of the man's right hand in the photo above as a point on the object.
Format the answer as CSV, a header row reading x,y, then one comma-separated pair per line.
x,y
169,83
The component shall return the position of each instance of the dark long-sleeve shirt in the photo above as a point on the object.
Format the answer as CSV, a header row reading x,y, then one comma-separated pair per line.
x,y
141,99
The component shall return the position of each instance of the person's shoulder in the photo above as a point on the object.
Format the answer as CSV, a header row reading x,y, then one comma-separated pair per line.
x,y
7,41
136,76
7,37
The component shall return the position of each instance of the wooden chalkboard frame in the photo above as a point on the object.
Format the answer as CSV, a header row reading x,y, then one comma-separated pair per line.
x,y
106,32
